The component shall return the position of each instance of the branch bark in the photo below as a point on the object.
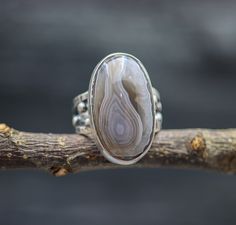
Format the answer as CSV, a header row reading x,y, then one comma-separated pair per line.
x,y
61,154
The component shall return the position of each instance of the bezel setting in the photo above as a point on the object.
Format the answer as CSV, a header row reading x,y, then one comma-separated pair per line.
x,y
92,84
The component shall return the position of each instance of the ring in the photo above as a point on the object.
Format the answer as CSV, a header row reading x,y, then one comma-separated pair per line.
x,y
121,108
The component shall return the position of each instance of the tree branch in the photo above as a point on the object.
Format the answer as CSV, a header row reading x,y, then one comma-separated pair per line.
x,y
68,153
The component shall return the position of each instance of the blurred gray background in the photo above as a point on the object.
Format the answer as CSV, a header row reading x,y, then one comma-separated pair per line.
x,y
48,50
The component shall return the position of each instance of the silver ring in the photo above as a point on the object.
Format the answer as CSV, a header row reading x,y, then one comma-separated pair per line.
x,y
121,108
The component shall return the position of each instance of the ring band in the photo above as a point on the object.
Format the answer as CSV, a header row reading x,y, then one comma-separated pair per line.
x,y
121,108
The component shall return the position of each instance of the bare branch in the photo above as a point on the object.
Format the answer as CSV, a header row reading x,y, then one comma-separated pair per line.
x,y
61,154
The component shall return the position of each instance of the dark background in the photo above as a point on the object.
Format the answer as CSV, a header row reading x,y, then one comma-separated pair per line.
x,y
48,50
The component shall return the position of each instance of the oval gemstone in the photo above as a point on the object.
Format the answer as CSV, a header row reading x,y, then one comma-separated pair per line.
x,y
122,108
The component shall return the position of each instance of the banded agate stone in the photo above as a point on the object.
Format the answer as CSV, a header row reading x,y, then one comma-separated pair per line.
x,y
122,108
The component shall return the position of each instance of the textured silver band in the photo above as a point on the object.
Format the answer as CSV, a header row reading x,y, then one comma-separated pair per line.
x,y
81,117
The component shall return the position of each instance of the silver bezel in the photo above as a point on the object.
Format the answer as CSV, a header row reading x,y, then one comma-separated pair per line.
x,y
105,153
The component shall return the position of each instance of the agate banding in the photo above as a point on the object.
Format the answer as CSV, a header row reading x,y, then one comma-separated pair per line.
x,y
122,108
